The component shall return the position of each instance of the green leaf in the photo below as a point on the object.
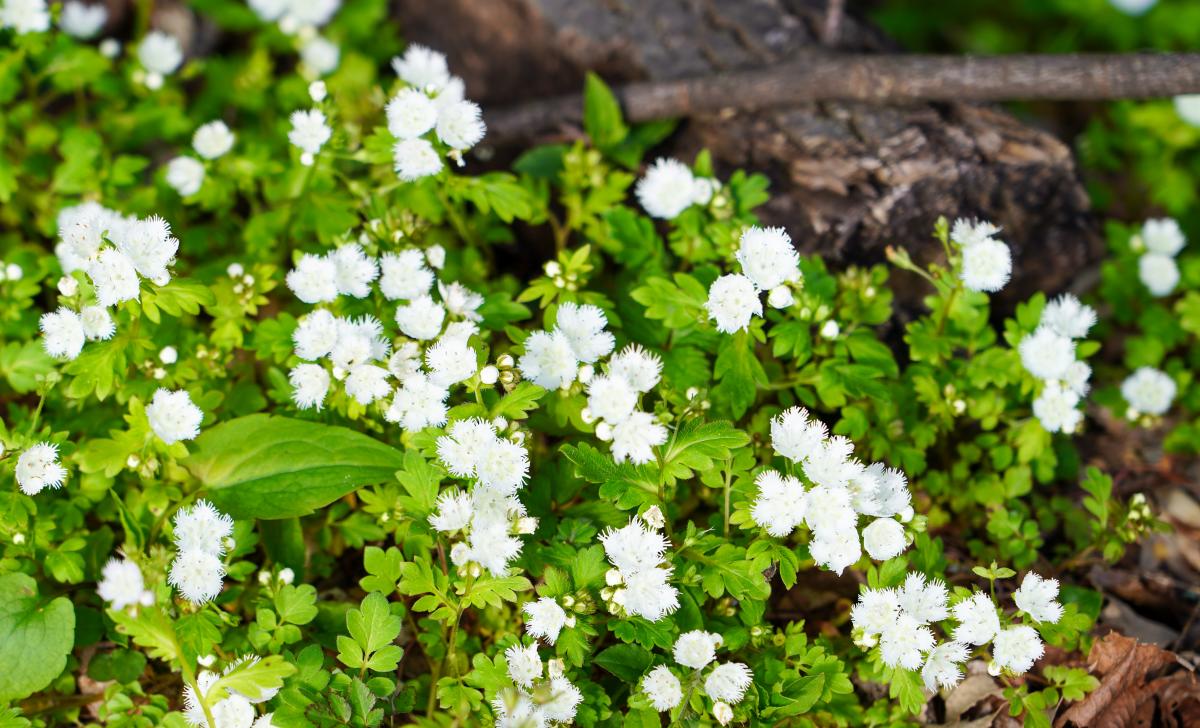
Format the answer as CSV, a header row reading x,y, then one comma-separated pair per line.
x,y
372,629
151,630
697,445
517,404
739,371
274,467
253,677
627,662
602,119
383,569
35,635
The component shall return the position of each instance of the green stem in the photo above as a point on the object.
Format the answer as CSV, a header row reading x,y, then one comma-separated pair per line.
x,y
728,482
189,676
945,316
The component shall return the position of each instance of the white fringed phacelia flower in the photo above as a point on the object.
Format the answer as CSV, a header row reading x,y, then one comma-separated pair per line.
x,y
884,538
82,21
62,333
768,258
201,527
639,368
836,551
1066,316
1163,236
544,618
310,384
405,276
1015,649
417,404
121,585
583,325
38,468
410,114
173,416
185,175
1149,390
875,611
635,437
780,505
197,576
25,16
978,621
1159,273
114,277
611,398
460,124
942,666
1056,408
524,665
549,360
422,67
355,270
421,318
986,266
728,682
967,232
314,279
667,189
414,159
695,649
309,133
321,56
1047,354
662,688
923,599
160,54
796,435
905,643
213,140
732,303
1038,597
454,511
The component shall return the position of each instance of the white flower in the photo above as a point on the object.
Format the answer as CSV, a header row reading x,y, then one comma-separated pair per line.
x,y
767,257
639,368
322,56
454,511
662,688
404,275
635,437
173,416
25,16
185,175
193,712
355,270
833,464
410,114
728,682
114,277
1163,236
732,303
422,67
967,233
1066,316
780,297
202,527
836,551
13,272
213,140
150,247
941,667
414,159
905,642
1133,7
1077,378
884,539
1159,273
1057,408
406,361
314,279
311,13
1149,390
38,468
780,505
418,404
524,665
634,547
1187,105
316,335
649,594
722,712
197,575
879,491
544,618
460,124
160,53
110,47
461,301
611,398
986,265
460,450
309,130
564,701
436,255
875,611
1038,597
450,361
264,721
923,600
421,318
796,435
310,384
82,21
549,360
584,328
367,383
1046,354
667,189
63,333
979,622
502,465
121,584
695,649
97,323
829,510
1015,649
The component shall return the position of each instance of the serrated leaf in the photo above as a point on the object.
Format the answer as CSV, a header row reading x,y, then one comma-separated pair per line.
x,y
35,634
697,445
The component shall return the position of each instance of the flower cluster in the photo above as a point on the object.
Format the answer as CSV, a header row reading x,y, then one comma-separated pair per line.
x,y
899,620
613,399
489,516
769,263
437,356
843,490
430,109
202,533
669,187
82,21
113,250
534,700
725,684
121,585
38,468
160,55
25,16
1148,391
552,358
1160,240
986,260
229,708
1049,355
296,16
639,584
172,414
545,618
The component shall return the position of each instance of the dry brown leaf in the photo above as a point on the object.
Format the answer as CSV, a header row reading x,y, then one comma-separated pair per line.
x,y
1121,699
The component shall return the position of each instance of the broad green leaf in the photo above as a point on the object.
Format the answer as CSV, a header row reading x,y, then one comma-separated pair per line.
x,y
274,467
36,635
602,118
697,445
627,662
151,629
383,569
253,677
372,629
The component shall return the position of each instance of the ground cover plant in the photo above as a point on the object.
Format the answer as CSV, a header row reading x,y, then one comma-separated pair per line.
x,y
313,418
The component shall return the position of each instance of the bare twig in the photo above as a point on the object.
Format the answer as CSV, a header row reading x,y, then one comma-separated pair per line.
x,y
876,79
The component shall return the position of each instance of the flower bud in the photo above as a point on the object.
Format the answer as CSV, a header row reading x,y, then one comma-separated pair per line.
x,y
780,297
723,713
489,374
68,286
830,329
287,576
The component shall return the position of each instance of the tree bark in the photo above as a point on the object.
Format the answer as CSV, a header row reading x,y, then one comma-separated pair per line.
x,y
848,178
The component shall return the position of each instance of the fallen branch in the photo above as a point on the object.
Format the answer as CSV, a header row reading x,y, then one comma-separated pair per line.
x,y
876,79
